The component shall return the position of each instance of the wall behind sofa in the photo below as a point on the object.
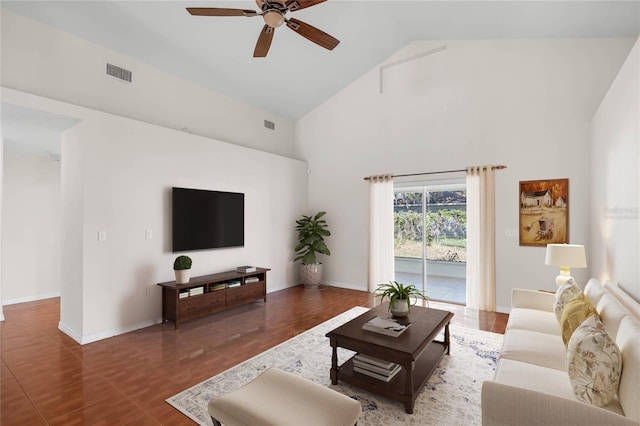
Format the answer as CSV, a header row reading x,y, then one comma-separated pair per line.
x,y
523,103
616,180
117,174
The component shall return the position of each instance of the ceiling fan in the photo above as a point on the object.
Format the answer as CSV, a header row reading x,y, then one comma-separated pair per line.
x,y
273,12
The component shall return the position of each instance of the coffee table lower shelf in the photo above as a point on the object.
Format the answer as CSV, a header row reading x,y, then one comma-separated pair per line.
x,y
395,389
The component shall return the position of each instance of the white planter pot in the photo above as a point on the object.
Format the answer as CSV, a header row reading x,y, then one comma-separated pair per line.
x,y
182,276
311,275
399,308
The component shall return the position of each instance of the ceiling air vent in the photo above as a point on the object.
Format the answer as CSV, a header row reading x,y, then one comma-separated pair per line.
x,y
269,124
118,72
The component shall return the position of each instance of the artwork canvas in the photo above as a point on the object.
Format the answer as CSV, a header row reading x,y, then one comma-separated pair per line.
x,y
544,212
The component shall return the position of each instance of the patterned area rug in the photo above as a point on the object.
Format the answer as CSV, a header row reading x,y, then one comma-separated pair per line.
x,y
450,397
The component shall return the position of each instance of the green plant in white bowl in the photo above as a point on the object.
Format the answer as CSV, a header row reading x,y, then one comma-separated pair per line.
x,y
399,296
182,268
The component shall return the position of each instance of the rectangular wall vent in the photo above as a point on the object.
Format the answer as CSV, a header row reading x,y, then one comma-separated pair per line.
x,y
269,124
118,72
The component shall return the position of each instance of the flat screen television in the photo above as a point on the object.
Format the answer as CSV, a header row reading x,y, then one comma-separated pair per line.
x,y
206,219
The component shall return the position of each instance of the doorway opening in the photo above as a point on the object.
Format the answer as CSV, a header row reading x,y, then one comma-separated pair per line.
x,y
430,238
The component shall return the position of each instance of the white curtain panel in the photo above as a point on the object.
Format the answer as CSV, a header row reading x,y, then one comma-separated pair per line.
x,y
381,261
481,271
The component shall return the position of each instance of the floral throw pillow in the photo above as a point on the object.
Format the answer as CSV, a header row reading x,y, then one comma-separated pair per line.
x,y
564,294
594,363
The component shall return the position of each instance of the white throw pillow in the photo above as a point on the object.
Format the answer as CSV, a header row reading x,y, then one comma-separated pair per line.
x,y
594,363
565,293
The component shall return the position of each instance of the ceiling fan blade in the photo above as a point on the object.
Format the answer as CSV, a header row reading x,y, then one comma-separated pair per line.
x,y
217,11
313,34
264,42
294,5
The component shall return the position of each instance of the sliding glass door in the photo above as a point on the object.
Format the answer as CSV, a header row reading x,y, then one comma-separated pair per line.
x,y
430,227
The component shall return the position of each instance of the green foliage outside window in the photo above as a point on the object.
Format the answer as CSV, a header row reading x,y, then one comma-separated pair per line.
x,y
446,229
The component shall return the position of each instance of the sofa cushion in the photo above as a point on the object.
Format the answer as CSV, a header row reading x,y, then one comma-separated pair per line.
x,y
625,300
594,363
532,299
574,313
533,320
541,379
535,348
594,291
628,340
564,294
611,314
534,377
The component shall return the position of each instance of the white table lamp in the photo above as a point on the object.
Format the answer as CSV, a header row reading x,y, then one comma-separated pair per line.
x,y
566,256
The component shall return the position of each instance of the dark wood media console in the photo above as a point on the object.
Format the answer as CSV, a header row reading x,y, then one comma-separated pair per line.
x,y
206,294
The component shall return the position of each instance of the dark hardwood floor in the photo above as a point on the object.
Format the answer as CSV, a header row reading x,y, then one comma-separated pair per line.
x,y
48,378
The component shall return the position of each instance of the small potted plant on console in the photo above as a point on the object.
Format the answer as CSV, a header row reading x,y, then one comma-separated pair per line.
x,y
182,268
399,297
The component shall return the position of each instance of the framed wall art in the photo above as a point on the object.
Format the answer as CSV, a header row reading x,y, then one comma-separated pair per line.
x,y
544,212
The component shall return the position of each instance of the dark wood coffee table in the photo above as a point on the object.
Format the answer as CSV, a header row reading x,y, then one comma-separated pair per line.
x,y
416,350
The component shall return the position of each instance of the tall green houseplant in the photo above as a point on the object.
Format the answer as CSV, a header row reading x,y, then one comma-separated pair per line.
x,y
311,233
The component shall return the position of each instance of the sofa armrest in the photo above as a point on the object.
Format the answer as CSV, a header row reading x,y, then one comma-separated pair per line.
x,y
504,405
532,299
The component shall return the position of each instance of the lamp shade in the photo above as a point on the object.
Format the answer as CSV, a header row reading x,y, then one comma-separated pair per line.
x,y
566,255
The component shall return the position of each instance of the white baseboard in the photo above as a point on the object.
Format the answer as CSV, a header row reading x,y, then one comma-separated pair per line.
x,y
500,309
348,286
503,310
26,299
94,337
69,332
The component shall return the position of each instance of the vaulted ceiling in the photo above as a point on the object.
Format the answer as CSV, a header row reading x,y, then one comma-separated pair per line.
x,y
297,75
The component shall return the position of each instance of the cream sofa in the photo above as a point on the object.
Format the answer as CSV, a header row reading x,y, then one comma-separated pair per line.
x,y
531,384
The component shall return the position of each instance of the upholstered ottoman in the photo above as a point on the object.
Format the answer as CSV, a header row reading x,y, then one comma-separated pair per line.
x,y
279,398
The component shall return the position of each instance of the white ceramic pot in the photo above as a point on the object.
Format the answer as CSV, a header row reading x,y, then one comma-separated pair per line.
x,y
399,308
311,275
182,276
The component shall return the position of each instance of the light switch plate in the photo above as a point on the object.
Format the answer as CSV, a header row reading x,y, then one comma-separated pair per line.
x,y
512,233
148,234
102,235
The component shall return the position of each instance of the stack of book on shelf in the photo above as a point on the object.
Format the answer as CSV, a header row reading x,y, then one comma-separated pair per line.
x,y
183,293
214,287
388,326
374,367
194,291
246,269
234,283
251,280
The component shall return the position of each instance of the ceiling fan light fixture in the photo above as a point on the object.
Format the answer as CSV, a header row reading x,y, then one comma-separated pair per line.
x,y
273,18
273,13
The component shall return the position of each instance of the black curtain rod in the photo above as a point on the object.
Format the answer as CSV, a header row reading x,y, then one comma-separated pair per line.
x,y
437,173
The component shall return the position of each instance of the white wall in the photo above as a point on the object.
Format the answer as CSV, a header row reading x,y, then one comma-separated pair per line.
x,y
31,228
1,206
72,309
523,103
41,60
616,180
116,177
